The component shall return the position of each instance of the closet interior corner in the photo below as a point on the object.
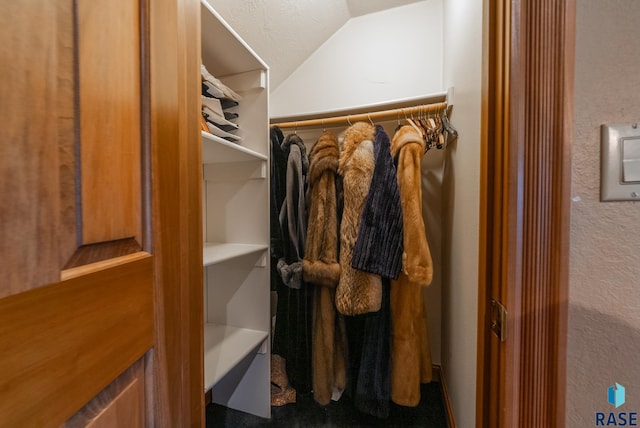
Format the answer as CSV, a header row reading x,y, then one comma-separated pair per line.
x,y
235,157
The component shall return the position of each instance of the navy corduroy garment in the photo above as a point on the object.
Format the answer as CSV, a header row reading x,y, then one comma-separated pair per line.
x,y
379,246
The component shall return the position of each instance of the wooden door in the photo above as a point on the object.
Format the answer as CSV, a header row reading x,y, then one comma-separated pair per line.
x,y
526,178
90,331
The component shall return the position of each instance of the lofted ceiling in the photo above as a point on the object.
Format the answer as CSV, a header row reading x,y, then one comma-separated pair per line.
x,y
284,33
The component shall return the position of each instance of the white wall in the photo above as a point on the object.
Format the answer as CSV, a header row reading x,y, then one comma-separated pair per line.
x,y
463,70
604,296
275,29
383,56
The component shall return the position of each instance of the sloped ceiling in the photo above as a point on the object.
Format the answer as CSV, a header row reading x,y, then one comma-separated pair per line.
x,y
284,33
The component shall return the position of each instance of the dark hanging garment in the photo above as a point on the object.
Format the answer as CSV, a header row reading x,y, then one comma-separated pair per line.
x,y
292,333
277,195
378,248
293,213
369,339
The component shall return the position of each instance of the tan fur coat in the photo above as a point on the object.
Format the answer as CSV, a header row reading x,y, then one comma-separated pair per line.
x,y
410,354
358,292
320,267
409,146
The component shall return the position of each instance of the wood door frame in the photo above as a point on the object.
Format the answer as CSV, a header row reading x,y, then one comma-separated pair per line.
x,y
173,59
527,117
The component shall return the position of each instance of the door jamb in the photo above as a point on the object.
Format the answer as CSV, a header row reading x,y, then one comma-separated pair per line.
x,y
527,118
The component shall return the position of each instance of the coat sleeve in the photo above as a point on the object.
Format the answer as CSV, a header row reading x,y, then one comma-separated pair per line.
x,y
293,218
417,263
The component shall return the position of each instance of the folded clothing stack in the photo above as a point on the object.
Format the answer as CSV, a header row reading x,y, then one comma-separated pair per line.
x,y
218,103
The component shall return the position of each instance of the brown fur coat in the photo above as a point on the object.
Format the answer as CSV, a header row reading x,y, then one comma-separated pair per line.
x,y
410,353
409,146
358,292
320,267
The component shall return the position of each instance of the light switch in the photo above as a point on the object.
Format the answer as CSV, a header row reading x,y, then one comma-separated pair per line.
x,y
631,160
620,174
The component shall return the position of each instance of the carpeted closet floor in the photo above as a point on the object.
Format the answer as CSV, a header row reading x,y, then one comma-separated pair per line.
x,y
306,413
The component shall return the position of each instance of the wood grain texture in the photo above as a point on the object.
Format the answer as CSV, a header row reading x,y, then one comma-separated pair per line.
x,y
526,179
194,291
90,268
483,352
499,258
101,251
174,61
547,38
110,132
121,404
66,117
112,315
28,144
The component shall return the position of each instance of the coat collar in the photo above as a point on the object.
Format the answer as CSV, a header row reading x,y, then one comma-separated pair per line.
x,y
294,140
406,135
323,156
353,136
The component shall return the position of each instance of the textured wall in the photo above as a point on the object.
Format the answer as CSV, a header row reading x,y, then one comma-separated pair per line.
x,y
382,56
604,310
285,32
463,71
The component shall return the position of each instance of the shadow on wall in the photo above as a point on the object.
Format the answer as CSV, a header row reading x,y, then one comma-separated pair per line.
x,y
432,200
447,210
602,351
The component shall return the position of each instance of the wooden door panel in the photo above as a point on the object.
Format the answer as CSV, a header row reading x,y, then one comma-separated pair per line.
x,y
29,153
77,305
110,129
118,405
63,343
85,130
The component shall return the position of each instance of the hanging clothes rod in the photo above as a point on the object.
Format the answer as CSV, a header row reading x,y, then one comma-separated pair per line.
x,y
397,113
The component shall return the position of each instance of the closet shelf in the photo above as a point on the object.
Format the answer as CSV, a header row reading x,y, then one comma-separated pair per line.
x,y
216,252
219,150
223,50
224,347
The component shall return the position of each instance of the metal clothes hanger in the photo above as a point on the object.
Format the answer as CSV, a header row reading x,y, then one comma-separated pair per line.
x,y
399,125
452,133
413,124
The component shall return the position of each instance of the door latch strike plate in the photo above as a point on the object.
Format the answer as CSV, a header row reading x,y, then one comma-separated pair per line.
x,y
499,320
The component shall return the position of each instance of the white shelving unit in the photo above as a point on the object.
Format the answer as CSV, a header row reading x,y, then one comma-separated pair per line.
x,y
219,150
236,229
225,347
217,253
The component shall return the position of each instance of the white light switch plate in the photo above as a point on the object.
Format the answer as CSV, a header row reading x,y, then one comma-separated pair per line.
x,y
618,183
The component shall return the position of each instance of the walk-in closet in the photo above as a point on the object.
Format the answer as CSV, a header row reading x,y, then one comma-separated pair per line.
x,y
280,323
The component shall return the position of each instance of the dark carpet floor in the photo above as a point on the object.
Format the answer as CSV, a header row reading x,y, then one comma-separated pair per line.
x,y
306,413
